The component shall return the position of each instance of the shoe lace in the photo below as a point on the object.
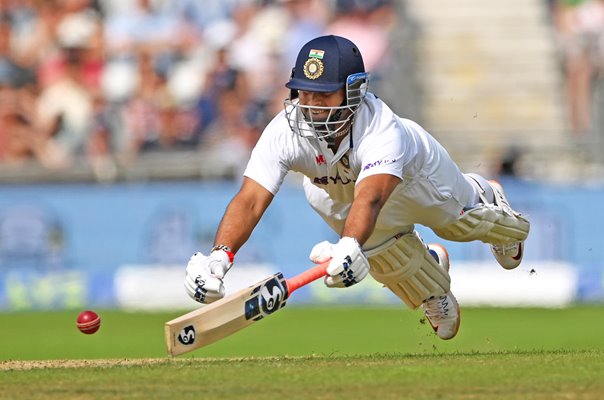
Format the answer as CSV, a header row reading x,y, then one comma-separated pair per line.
x,y
437,308
506,249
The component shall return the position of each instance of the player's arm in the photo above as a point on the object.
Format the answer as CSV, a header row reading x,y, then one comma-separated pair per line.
x,y
370,195
348,264
243,214
203,281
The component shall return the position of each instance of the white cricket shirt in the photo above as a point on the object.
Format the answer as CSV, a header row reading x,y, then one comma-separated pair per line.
x,y
432,192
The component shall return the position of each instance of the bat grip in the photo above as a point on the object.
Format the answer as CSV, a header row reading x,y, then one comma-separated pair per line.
x,y
307,277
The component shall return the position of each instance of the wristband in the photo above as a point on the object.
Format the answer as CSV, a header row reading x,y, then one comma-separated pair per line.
x,y
226,249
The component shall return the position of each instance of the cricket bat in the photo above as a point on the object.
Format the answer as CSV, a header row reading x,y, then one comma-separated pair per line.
x,y
230,314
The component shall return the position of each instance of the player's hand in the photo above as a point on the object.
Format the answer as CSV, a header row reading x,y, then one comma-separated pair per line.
x,y
348,264
203,282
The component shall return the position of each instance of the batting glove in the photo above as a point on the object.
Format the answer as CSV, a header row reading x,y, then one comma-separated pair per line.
x,y
348,264
203,282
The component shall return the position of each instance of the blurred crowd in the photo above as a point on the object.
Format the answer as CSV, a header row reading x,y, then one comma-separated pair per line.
x,y
580,32
107,80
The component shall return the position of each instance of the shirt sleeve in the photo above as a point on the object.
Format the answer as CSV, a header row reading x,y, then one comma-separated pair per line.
x,y
268,164
382,152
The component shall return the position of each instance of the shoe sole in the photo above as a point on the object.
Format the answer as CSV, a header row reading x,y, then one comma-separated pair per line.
x,y
445,253
517,258
456,325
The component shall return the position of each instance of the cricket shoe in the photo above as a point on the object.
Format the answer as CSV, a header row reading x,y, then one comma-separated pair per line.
x,y
442,312
509,256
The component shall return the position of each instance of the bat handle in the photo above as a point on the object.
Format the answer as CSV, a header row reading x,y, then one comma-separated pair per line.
x,y
307,277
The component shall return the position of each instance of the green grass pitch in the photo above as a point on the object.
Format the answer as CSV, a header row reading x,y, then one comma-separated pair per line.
x,y
310,353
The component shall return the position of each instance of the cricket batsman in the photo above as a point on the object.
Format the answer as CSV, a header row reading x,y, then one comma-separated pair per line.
x,y
371,175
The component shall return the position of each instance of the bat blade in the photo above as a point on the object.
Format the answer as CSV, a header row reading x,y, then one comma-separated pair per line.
x,y
226,316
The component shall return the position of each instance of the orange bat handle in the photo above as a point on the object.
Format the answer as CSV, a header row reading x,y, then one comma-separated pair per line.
x,y
306,277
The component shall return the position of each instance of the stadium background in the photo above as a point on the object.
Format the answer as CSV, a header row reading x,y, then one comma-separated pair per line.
x,y
105,197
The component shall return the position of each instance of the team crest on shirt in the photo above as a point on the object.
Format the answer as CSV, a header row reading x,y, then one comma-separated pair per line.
x,y
345,161
313,68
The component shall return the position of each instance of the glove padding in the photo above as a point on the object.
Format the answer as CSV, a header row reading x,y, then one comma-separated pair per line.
x,y
203,282
348,264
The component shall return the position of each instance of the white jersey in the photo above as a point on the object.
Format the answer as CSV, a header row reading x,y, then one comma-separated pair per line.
x,y
432,192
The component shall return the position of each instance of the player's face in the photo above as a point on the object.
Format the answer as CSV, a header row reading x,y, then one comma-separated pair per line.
x,y
320,99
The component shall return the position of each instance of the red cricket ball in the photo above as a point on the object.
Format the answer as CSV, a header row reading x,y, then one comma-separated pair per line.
x,y
88,322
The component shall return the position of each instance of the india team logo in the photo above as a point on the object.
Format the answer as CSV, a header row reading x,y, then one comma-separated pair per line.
x,y
313,68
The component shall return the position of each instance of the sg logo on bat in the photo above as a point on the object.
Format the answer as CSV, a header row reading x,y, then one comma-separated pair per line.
x,y
187,335
267,298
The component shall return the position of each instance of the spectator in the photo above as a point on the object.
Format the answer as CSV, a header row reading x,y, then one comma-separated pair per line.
x,y
16,142
357,20
231,137
104,142
221,76
307,20
33,31
65,111
12,71
177,130
145,27
204,13
20,141
100,81
152,119
141,114
580,27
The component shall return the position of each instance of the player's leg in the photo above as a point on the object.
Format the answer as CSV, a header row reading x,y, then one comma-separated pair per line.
x,y
492,220
418,275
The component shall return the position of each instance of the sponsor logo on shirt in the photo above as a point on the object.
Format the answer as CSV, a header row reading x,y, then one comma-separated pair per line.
x,y
320,159
326,180
378,163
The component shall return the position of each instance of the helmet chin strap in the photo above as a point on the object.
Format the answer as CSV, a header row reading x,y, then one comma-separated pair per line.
x,y
331,140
